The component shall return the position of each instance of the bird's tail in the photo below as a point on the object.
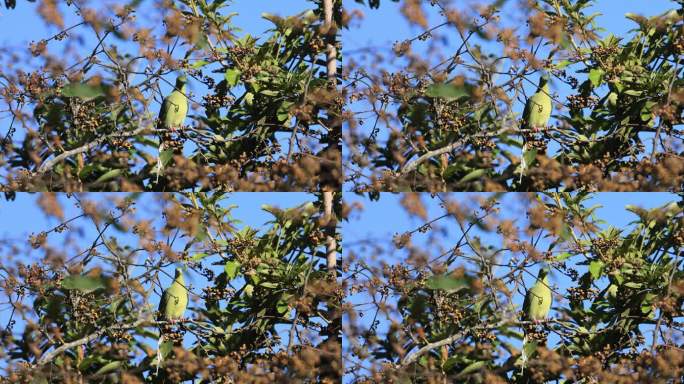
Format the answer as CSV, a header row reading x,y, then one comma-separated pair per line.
x,y
523,164
159,357
523,356
160,165
159,161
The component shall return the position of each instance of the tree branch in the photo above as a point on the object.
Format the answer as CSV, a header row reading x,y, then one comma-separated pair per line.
x,y
411,358
48,357
408,359
47,165
412,165
331,242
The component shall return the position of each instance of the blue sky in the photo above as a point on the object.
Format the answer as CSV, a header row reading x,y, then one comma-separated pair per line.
x,y
22,217
380,220
381,28
15,34
13,22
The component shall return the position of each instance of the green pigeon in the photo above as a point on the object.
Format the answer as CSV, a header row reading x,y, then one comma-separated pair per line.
x,y
174,300
536,113
172,114
536,307
538,299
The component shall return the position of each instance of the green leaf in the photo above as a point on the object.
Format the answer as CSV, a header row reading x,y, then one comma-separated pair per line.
x,y
563,64
529,157
612,290
595,269
269,93
199,64
256,86
109,367
646,308
446,283
446,91
249,290
111,174
595,76
472,175
83,91
283,113
472,367
198,256
282,307
165,348
232,268
165,156
232,76
529,349
83,283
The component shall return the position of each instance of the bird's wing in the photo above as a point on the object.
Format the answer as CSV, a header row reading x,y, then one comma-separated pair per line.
x,y
526,306
164,110
540,301
162,304
540,109
546,300
177,300
176,107
526,114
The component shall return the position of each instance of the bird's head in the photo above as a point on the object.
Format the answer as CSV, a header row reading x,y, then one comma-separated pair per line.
x,y
543,273
544,80
179,272
181,81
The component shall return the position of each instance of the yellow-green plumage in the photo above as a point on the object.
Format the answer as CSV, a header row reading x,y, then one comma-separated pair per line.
x,y
174,299
536,114
175,106
538,300
172,114
536,307
538,107
173,302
